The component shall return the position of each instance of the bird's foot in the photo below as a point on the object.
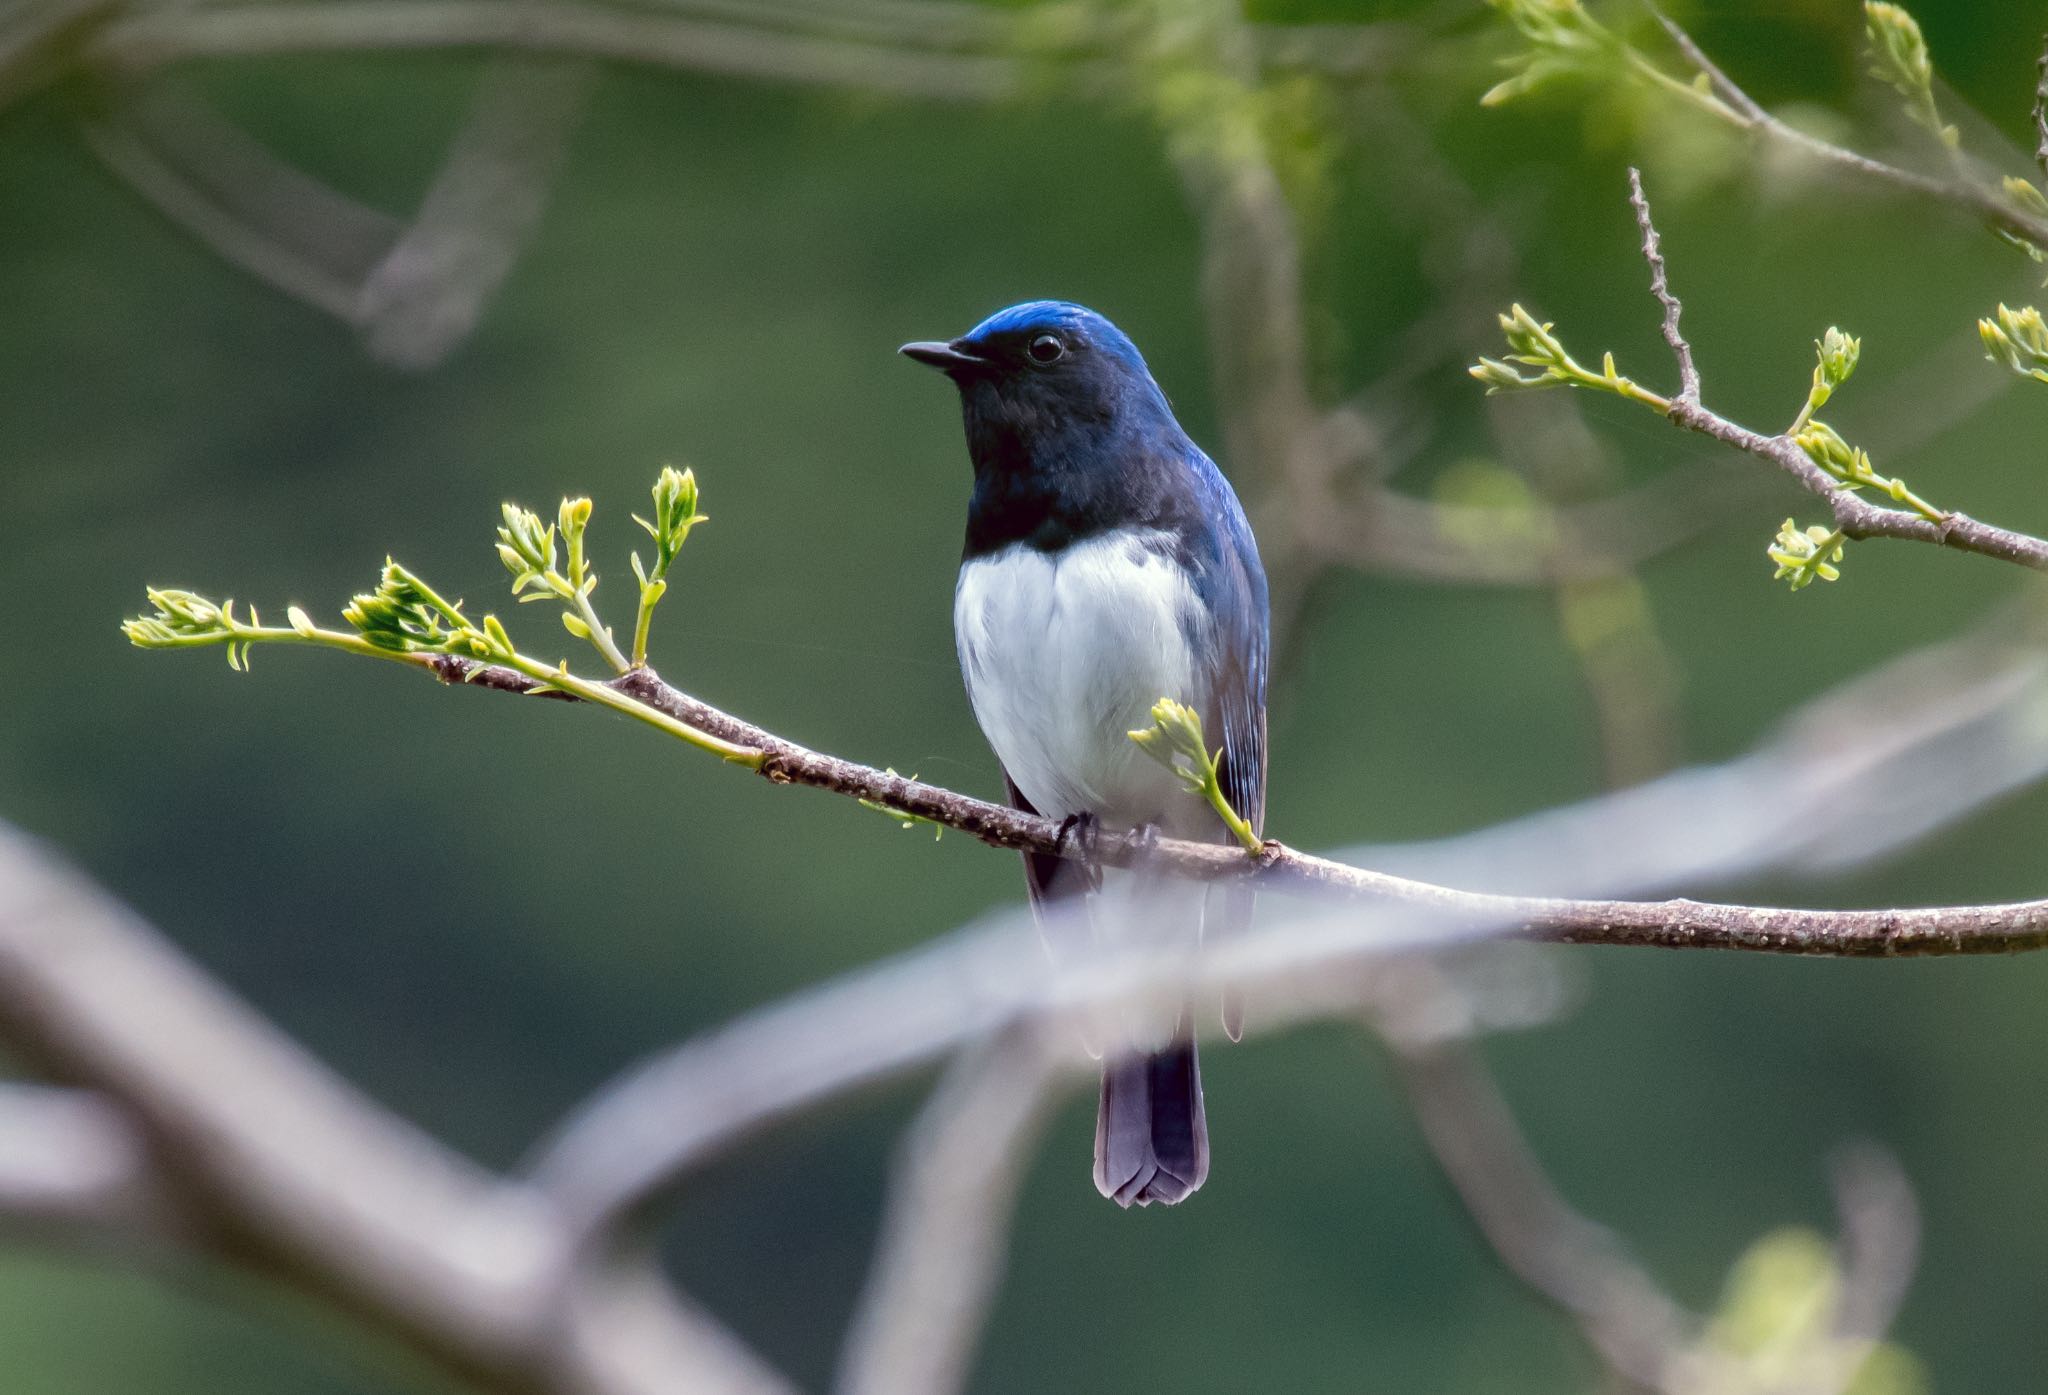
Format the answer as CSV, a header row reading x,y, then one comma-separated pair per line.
x,y
1144,843
1084,832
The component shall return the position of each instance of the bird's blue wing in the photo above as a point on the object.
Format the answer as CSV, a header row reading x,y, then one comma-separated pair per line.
x,y
1231,585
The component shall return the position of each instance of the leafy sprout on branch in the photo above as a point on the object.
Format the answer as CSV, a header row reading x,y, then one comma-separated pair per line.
x,y
1899,57
527,548
1800,556
1175,740
407,620
2018,339
1563,40
1566,42
675,513
1532,343
1836,355
1804,555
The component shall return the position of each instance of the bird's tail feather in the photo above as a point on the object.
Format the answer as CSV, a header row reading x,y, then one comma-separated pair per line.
x,y
1151,1139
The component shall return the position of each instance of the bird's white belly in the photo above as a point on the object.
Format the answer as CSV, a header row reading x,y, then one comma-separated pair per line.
x,y
1064,653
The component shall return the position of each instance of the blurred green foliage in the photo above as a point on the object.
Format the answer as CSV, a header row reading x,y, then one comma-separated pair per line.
x,y
721,278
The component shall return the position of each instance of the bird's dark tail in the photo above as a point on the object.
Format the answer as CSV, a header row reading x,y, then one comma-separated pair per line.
x,y
1151,1140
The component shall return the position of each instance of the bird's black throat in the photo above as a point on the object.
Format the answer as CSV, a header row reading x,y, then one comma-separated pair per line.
x,y
1050,474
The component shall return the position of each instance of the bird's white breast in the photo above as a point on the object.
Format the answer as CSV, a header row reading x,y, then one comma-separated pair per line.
x,y
1064,652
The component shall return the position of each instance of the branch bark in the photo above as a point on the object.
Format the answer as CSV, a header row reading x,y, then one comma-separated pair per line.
x,y
1673,924
1854,515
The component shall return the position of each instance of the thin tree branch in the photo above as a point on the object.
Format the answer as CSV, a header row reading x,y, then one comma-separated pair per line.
x,y
1575,1264
2041,109
1677,924
429,290
250,209
1855,516
1724,86
1881,761
148,39
1748,115
945,51
1660,287
945,1234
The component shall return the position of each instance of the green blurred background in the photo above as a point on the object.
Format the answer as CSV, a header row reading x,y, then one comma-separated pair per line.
x,y
478,909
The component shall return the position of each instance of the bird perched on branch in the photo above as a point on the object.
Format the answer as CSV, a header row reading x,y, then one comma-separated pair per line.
x,y
1108,565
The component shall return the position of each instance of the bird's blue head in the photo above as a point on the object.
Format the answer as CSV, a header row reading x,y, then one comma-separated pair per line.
x,y
1041,380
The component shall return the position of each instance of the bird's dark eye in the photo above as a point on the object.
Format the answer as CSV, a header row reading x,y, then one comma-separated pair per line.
x,y
1046,348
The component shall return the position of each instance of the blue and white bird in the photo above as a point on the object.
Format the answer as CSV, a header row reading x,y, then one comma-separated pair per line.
x,y
1108,565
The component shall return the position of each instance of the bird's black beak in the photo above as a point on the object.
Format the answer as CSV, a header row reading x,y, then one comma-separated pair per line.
x,y
947,358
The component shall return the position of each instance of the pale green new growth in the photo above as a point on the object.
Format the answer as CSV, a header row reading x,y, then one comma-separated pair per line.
x,y
406,620
675,513
2028,198
1777,1326
1836,354
1565,41
403,615
1532,343
1175,740
527,548
1804,555
1851,465
2019,339
1898,55
185,619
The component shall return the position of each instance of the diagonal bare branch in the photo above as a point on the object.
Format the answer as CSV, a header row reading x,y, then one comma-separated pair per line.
x,y
1578,1266
1723,86
255,212
38,38
428,291
73,1166
270,1160
1660,287
1957,192
945,1234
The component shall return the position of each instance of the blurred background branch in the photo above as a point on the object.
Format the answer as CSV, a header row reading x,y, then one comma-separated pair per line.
x,y
263,1158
